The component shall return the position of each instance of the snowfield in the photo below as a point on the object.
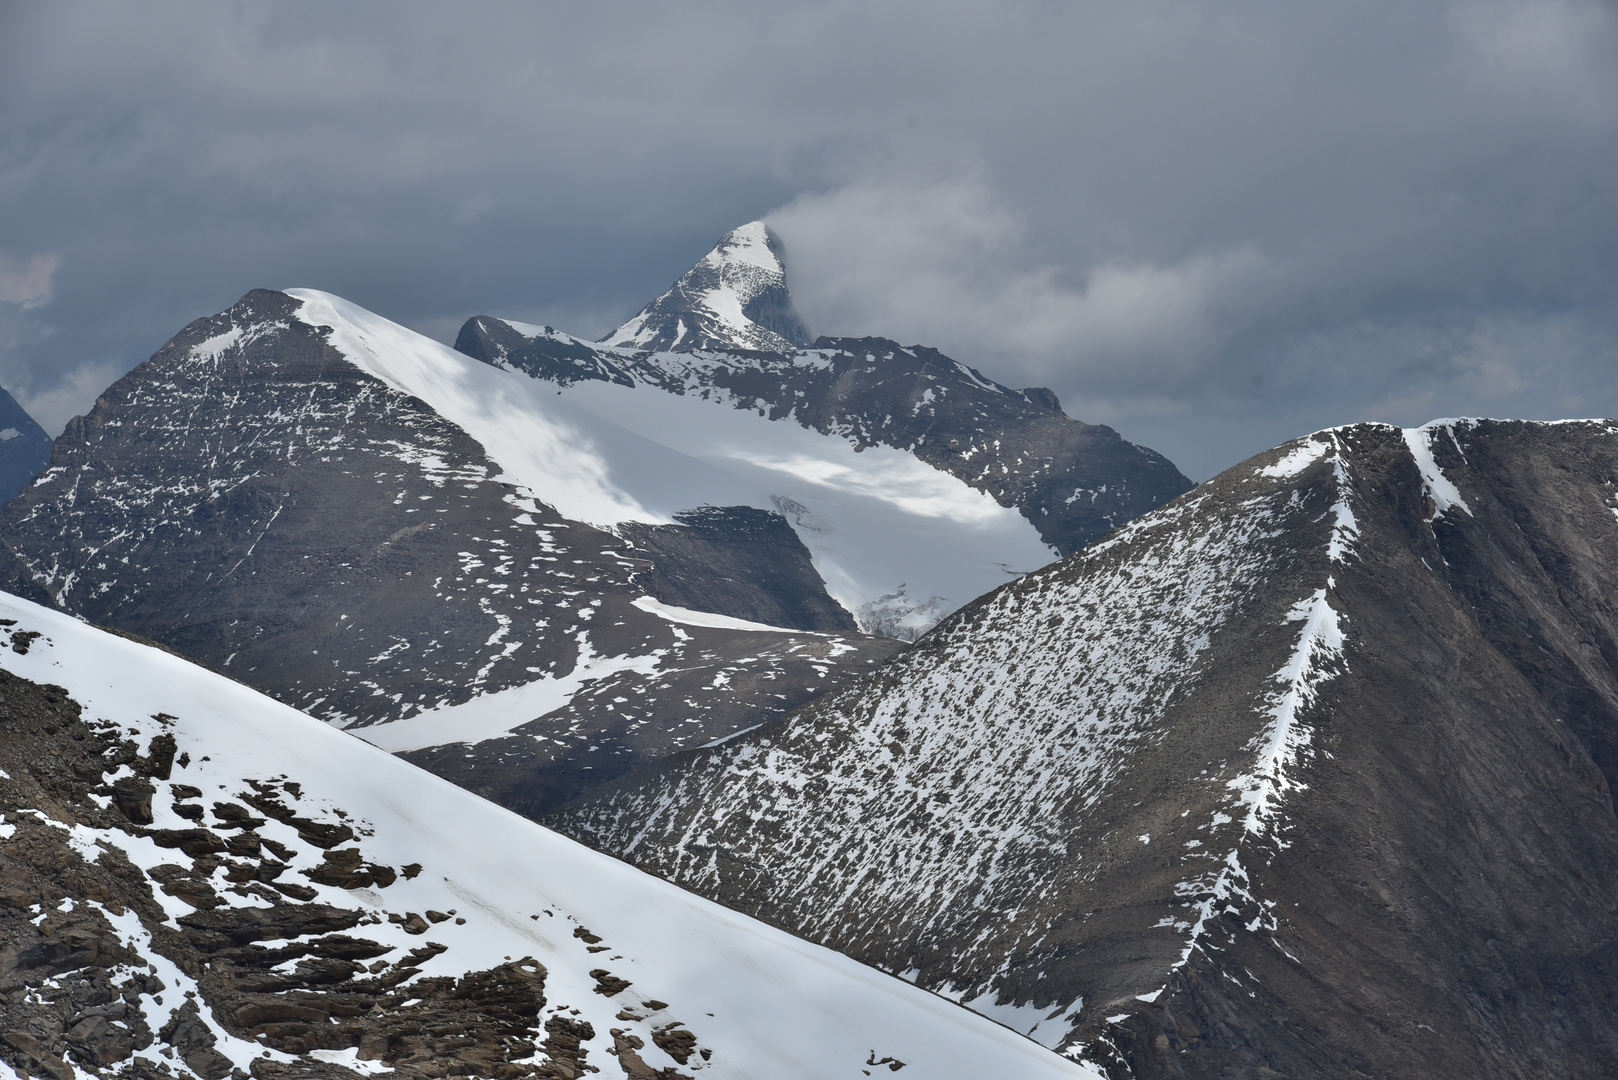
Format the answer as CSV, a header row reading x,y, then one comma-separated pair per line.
x,y
765,1003
897,542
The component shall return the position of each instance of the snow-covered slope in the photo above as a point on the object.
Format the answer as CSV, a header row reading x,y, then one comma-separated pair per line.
x,y
1311,768
440,885
372,527
897,542
583,464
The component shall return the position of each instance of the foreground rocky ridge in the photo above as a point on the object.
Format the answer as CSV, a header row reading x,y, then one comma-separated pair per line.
x,y
255,499
1308,773
198,882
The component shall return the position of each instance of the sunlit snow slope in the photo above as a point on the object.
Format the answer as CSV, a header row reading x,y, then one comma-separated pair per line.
x,y
374,860
1312,768
896,541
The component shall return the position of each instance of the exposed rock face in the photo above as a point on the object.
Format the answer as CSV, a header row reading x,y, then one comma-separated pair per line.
x,y
1308,773
25,448
716,557
254,500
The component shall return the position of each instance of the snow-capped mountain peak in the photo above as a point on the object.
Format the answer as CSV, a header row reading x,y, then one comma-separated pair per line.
x,y
735,297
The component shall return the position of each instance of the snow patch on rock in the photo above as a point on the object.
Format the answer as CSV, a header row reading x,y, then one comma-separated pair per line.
x,y
1437,487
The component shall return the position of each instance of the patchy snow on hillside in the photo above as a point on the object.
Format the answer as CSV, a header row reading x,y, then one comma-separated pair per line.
x,y
763,1002
1048,694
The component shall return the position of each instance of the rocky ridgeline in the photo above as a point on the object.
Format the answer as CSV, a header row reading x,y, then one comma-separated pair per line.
x,y
1309,773
197,881
113,970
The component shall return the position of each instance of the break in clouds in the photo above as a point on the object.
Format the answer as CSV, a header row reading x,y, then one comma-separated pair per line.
x,y
1213,229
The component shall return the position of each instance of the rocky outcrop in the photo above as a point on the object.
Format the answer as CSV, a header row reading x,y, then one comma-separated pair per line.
x,y
76,987
1308,773
741,561
85,935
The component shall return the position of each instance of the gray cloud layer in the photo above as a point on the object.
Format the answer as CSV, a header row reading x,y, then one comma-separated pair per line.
x,y
1213,227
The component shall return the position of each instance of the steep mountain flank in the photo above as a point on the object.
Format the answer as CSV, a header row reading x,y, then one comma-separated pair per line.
x,y
342,515
196,881
25,449
1308,773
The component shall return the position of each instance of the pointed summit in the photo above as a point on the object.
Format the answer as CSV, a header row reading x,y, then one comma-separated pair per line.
x,y
735,298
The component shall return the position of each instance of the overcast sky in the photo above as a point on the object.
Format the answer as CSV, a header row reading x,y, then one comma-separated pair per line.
x,y
1212,226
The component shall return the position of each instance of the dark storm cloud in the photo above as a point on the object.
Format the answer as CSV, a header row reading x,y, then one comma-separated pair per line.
x,y
1213,227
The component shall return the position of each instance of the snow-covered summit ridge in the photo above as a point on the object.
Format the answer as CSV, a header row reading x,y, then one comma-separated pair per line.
x,y
735,297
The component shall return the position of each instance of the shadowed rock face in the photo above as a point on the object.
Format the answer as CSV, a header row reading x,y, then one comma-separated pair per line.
x,y
25,448
1308,773
255,501
717,556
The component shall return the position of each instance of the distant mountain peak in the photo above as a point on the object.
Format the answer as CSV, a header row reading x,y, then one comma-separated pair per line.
x,y
735,297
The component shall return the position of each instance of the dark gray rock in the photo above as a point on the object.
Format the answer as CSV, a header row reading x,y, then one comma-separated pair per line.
x,y
25,448
78,990
738,561
1309,773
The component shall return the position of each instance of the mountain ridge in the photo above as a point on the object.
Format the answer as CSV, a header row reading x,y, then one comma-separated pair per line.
x,y
1070,480
1309,771
256,499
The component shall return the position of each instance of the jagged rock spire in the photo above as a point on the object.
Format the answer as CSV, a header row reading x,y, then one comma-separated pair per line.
x,y
734,298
